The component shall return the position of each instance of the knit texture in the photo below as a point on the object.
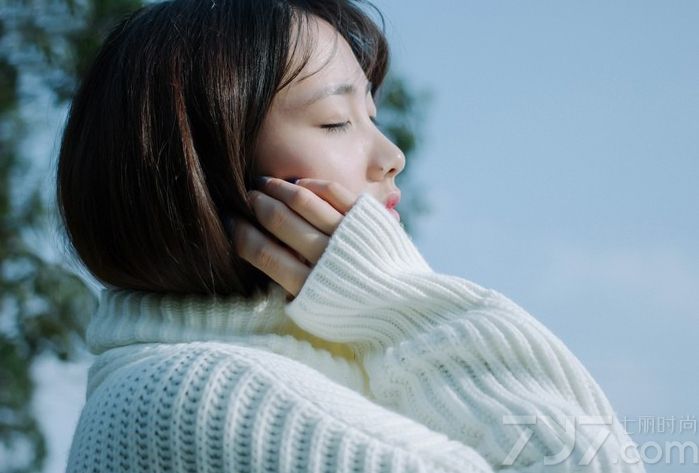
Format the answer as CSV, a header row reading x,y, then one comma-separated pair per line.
x,y
380,364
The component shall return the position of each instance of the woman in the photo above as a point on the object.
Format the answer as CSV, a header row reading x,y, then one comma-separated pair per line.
x,y
274,324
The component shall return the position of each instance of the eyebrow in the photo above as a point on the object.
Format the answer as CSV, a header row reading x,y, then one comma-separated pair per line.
x,y
341,89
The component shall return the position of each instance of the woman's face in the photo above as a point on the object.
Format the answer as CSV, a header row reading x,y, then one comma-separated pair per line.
x,y
321,126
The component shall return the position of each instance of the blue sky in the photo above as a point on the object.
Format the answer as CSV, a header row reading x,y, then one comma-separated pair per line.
x,y
560,159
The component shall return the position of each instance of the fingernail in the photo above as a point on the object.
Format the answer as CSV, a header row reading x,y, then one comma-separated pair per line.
x,y
260,181
292,180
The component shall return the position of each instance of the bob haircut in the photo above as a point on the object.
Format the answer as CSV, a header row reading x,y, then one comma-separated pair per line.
x,y
158,148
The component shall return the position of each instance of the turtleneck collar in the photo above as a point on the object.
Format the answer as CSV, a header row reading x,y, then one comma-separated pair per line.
x,y
125,317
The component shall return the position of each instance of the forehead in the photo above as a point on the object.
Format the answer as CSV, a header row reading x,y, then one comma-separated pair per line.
x,y
331,62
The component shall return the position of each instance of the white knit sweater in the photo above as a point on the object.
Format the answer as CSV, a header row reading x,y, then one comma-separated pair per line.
x,y
379,364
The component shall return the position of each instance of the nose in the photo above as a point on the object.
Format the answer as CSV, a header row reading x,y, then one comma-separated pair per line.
x,y
387,159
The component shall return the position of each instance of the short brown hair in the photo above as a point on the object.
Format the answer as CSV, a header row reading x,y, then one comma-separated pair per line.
x,y
159,143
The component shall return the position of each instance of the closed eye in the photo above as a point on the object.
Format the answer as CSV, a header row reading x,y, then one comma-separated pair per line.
x,y
336,127
340,127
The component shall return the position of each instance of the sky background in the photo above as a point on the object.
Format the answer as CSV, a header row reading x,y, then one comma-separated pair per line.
x,y
561,160
560,157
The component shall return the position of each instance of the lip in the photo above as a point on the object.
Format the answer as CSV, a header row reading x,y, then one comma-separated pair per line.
x,y
392,200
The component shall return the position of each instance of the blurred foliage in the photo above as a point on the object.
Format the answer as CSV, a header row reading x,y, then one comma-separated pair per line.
x,y
43,305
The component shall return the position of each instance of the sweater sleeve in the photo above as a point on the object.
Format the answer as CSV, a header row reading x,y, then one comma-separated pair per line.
x,y
219,408
459,358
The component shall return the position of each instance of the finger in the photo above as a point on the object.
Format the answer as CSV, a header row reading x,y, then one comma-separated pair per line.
x,y
270,257
288,226
332,192
311,207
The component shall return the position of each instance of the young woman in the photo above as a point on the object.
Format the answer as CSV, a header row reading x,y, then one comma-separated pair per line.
x,y
281,325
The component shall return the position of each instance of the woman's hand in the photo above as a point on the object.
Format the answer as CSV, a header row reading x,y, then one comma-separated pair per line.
x,y
302,217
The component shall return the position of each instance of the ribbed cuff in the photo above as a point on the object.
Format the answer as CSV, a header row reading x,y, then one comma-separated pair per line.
x,y
372,285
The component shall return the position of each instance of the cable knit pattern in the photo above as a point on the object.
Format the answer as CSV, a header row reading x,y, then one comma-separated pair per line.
x,y
454,356
379,364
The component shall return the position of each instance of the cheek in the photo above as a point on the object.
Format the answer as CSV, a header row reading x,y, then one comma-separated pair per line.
x,y
276,150
310,153
287,154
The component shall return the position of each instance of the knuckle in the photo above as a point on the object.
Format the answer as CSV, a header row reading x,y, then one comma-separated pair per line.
x,y
301,198
264,258
332,187
276,219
